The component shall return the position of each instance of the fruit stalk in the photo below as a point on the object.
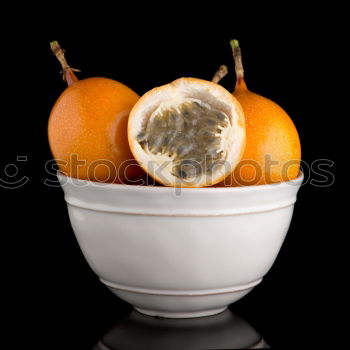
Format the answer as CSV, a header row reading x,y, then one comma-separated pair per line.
x,y
221,72
67,71
237,56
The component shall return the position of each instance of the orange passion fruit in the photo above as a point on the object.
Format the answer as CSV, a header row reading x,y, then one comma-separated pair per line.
x,y
273,150
87,128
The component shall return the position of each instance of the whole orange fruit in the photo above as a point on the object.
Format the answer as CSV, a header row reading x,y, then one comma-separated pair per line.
x,y
273,150
87,128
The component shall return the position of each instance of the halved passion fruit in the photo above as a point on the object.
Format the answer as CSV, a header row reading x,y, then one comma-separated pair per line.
x,y
189,133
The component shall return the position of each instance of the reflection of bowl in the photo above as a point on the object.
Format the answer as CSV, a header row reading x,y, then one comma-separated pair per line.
x,y
222,331
180,253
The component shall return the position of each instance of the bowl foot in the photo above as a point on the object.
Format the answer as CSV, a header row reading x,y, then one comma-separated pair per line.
x,y
165,314
180,303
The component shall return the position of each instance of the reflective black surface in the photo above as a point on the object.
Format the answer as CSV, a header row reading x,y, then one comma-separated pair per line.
x,y
221,331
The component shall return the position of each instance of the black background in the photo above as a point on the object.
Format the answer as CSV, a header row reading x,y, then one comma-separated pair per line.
x,y
54,297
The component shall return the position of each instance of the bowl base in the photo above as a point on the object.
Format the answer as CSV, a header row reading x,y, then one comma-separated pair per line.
x,y
180,303
165,314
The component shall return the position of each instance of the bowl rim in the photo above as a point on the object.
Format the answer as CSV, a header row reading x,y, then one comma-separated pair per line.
x,y
115,187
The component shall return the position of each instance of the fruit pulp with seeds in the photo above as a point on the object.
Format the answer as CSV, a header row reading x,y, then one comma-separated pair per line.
x,y
189,133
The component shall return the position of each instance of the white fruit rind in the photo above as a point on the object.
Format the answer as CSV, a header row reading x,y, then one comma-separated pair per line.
x,y
174,94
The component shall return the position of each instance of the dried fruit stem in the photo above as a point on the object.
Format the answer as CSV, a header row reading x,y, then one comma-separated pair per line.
x,y
236,50
68,75
221,72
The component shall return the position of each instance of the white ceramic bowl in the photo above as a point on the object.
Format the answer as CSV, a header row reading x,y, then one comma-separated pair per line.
x,y
180,253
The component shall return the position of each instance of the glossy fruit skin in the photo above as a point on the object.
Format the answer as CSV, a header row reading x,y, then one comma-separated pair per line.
x,y
270,136
88,124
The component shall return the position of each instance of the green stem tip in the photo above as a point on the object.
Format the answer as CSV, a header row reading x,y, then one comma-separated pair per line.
x,y
54,44
234,43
